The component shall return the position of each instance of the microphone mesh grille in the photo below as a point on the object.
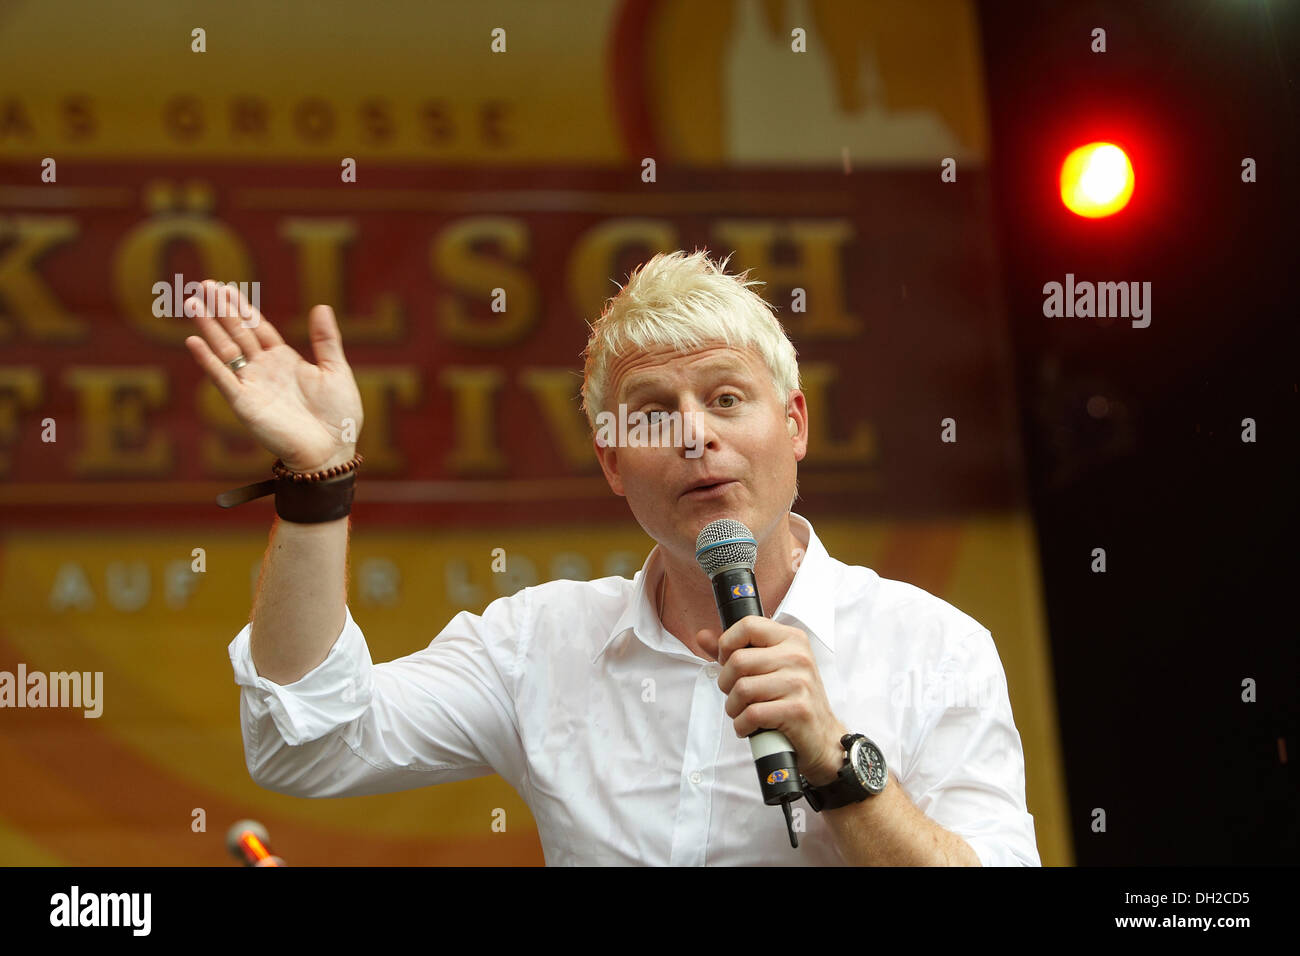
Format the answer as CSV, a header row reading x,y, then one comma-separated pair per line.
x,y
723,543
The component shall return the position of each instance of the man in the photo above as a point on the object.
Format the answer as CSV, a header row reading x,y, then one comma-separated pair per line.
x,y
614,707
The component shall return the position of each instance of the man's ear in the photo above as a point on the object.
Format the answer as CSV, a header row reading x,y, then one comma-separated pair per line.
x,y
608,458
796,411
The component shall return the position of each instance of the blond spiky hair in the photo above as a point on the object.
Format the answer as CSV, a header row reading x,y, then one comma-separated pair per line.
x,y
683,301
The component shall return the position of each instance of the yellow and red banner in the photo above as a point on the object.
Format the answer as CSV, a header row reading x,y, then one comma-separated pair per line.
x,y
484,161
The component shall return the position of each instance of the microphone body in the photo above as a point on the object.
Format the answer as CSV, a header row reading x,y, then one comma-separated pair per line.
x,y
736,592
726,552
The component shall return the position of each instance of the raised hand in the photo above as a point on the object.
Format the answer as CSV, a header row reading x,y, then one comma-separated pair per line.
x,y
297,411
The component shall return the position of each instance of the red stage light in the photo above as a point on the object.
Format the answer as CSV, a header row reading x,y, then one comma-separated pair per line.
x,y
1096,180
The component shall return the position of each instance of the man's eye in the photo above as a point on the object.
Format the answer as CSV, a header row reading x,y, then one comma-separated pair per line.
x,y
654,415
734,399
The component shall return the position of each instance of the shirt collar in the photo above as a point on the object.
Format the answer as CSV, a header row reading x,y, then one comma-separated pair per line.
x,y
809,601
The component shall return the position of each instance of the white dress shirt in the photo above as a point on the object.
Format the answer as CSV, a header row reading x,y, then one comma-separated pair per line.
x,y
616,737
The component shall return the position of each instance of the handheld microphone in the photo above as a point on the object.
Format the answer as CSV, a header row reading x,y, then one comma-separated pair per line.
x,y
248,842
726,551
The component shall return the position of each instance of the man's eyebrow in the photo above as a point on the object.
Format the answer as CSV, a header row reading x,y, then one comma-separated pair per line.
x,y
631,387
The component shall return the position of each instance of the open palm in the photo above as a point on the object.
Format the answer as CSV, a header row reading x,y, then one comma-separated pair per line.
x,y
307,415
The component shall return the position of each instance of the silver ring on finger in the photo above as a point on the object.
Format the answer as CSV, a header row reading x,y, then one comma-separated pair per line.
x,y
237,363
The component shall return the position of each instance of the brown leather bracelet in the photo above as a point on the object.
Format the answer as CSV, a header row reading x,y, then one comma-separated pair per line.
x,y
303,497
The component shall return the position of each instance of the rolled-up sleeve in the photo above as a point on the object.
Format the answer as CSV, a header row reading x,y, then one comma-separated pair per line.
x,y
350,727
968,774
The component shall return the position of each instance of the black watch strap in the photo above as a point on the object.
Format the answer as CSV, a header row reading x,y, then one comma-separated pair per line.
x,y
838,793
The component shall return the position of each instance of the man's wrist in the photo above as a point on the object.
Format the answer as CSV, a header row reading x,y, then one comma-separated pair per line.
x,y
338,458
827,771
822,779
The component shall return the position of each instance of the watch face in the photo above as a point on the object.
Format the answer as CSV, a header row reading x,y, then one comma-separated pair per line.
x,y
869,762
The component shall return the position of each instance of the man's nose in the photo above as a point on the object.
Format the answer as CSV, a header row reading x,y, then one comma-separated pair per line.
x,y
698,431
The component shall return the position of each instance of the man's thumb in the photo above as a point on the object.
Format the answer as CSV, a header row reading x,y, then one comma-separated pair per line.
x,y
707,640
326,341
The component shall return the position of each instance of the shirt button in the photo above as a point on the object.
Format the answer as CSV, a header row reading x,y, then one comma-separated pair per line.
x,y
695,776
713,670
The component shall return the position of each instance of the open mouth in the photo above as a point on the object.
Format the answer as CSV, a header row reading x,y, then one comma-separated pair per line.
x,y
706,490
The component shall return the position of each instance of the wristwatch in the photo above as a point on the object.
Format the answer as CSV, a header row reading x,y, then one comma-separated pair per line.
x,y
863,775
